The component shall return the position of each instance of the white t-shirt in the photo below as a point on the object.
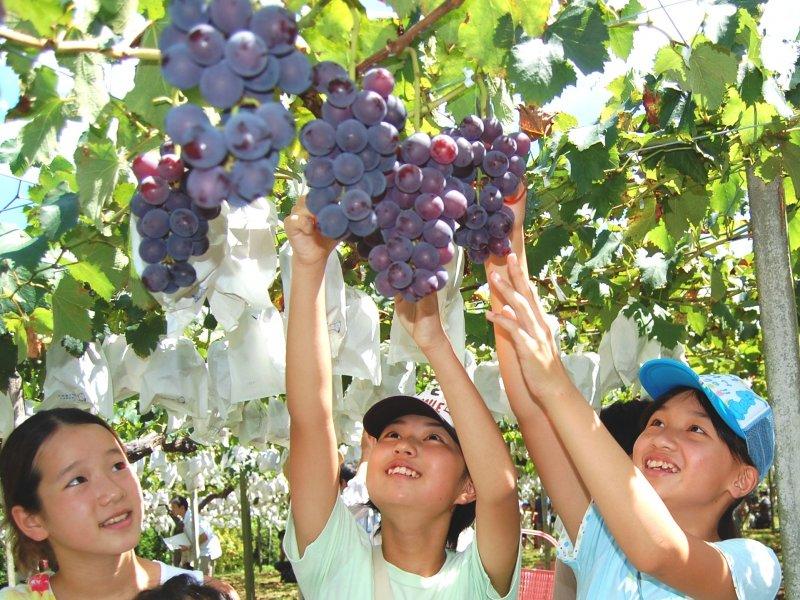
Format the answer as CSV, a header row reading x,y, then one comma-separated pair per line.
x,y
211,547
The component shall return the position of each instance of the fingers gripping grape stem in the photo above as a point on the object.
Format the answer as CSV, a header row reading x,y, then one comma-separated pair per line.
x,y
395,47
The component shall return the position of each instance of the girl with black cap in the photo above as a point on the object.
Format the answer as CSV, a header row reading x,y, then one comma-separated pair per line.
x,y
430,469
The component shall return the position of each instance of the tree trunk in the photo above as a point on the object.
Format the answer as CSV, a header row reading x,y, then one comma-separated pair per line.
x,y
247,540
778,315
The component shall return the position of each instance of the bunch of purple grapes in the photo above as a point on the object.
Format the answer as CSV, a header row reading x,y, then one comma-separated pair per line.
x,y
229,51
491,166
172,227
352,151
418,219
236,161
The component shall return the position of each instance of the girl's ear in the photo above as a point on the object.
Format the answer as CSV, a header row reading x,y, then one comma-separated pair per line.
x,y
745,482
31,524
467,494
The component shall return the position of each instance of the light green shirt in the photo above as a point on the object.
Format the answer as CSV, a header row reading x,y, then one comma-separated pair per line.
x,y
338,564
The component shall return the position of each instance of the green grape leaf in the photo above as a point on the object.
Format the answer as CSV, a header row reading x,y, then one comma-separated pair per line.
x,y
686,210
97,169
143,336
148,84
42,320
653,268
751,86
687,162
90,91
670,63
790,152
91,275
42,14
710,70
330,34
71,303
583,34
588,166
531,14
621,39
59,215
546,247
539,72
153,9
40,134
485,17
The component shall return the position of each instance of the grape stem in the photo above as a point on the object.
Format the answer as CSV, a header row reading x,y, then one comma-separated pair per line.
x,y
396,46
61,46
351,69
417,93
451,95
306,20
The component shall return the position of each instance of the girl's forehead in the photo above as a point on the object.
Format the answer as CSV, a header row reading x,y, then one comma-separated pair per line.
x,y
685,402
71,443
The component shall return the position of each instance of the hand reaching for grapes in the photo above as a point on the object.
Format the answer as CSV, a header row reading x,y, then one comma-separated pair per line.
x,y
421,320
309,246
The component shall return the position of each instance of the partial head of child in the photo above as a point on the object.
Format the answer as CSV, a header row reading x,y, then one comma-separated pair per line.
x,y
68,489
183,587
415,437
712,429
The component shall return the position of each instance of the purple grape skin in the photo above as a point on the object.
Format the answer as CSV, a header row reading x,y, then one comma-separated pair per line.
x,y
154,190
206,148
396,112
379,80
516,165
200,247
351,136
356,204
267,79
387,212
523,143
506,183
476,217
505,144
207,213
152,250
478,153
441,277
370,158
295,75
185,14
277,27
183,274
280,123
500,223
491,129
424,283
377,182
178,67
369,107
479,255
221,86
334,115
389,163
464,156
477,238
170,36
319,172
348,168
332,222
499,246
230,15
365,226
455,204
409,224
323,72
490,198
179,248
379,258
433,181
138,206
246,53
202,228
438,233
206,44
155,277
318,198
446,253
408,178
155,224
208,187
495,163
318,137
416,149
399,248
181,121
471,127
341,92
382,285
247,136
183,222
383,137
253,179
400,275
403,200
425,256
429,206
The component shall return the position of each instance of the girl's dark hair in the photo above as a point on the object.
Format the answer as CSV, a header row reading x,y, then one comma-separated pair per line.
x,y
726,528
182,587
180,501
20,477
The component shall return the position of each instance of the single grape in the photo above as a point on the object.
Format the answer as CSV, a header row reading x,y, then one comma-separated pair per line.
x,y
221,86
170,167
495,163
152,250
396,112
179,248
332,221
356,204
409,178
416,149
323,72
506,183
280,123
206,44
477,238
341,92
403,200
382,285
383,137
523,143
400,275
178,67
369,107
155,277
365,226
438,233
181,122
441,278
505,144
446,253
206,148
318,137
334,115
379,258
348,168
295,75
154,190
266,80
378,80
207,213
464,156
399,248
516,165
471,128
443,149
230,15
183,222
479,255
200,247
424,282
351,136
246,53
476,217
317,198
138,206
185,14
478,153
433,181
277,27
371,159
155,223
409,224
455,204
387,212
183,274
319,172
144,166
491,129
253,179
247,136
490,198
429,206
425,256
208,187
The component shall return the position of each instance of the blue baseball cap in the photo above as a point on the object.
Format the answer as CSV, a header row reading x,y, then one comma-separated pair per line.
x,y
744,411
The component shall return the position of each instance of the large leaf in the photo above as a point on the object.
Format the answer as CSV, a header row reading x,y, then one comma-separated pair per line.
x,y
90,89
531,14
59,215
97,170
589,165
583,33
539,71
148,85
71,303
42,14
790,152
475,33
711,70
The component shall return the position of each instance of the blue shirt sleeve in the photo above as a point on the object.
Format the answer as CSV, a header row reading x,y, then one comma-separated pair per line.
x,y
755,568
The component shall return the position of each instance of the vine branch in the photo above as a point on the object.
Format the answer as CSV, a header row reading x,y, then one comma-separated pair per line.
x,y
79,46
396,46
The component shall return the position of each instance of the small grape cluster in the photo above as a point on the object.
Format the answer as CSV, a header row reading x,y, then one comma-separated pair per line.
x,y
491,165
236,161
229,51
172,227
352,150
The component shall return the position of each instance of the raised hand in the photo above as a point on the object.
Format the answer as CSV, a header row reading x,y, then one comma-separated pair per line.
x,y
523,317
309,246
421,320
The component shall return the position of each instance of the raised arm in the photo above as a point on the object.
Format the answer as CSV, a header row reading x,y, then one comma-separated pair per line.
x,y
485,453
559,476
635,514
313,465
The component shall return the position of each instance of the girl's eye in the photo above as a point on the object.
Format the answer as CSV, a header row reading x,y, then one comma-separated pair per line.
x,y
697,429
76,481
656,423
120,466
391,434
436,437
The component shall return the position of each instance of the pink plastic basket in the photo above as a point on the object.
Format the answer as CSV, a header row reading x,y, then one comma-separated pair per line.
x,y
537,584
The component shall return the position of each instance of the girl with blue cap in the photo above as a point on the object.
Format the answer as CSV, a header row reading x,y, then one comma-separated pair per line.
x,y
434,465
657,524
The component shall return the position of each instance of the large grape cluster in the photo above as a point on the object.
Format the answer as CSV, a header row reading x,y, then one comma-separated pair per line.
x,y
172,227
490,165
352,150
229,51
